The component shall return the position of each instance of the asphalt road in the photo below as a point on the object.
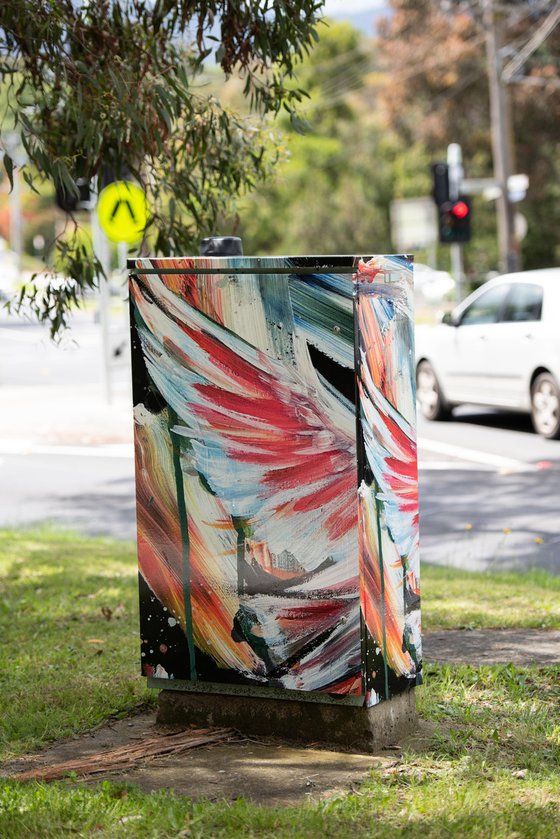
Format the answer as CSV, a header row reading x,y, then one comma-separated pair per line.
x,y
66,455
29,357
489,492
489,486
93,494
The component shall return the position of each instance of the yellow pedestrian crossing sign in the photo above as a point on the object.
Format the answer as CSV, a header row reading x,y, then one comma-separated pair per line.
x,y
122,211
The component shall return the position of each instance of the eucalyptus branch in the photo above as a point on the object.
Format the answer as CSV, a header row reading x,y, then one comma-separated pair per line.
x,y
109,84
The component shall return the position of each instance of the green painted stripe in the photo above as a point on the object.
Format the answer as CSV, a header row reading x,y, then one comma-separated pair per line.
x,y
366,640
382,573
185,544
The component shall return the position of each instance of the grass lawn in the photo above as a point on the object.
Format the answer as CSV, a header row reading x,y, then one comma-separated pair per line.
x,y
488,767
453,599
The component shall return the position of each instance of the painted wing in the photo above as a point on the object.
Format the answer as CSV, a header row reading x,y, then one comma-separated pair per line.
x,y
269,439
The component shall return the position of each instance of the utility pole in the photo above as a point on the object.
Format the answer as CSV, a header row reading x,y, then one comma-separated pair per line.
x,y
501,142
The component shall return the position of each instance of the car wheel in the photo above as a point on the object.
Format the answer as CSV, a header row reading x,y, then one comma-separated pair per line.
x,y
429,396
545,406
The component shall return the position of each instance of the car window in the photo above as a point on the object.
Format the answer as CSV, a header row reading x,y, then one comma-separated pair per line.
x,y
487,308
524,303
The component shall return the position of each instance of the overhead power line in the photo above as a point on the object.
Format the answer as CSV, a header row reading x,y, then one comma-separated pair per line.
x,y
542,33
538,81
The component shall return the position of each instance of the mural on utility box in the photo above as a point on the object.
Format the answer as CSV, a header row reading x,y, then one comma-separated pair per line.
x,y
276,472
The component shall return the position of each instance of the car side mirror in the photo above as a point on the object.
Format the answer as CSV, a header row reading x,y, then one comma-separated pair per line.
x,y
449,319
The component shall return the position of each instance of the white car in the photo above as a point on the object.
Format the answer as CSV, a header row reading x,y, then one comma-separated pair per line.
x,y
500,347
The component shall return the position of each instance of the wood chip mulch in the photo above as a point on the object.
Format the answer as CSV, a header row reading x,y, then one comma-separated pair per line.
x,y
126,756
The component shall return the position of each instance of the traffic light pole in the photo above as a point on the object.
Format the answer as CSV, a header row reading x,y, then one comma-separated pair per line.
x,y
455,164
457,271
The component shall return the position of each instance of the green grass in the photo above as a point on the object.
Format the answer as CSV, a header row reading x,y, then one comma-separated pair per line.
x,y
63,666
491,599
487,763
488,767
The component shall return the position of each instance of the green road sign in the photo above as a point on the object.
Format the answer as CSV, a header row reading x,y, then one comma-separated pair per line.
x,y
122,210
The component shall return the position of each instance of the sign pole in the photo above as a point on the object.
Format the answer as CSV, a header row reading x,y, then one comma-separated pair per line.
x,y
12,143
120,215
122,251
101,252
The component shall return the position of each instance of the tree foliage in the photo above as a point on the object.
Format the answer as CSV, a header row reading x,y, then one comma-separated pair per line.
x,y
381,111
335,184
332,187
436,92
113,85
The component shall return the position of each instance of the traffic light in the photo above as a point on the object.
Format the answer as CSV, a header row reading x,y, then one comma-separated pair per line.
x,y
440,172
69,202
455,221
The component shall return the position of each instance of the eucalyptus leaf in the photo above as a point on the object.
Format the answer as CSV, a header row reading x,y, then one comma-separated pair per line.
x,y
9,167
120,87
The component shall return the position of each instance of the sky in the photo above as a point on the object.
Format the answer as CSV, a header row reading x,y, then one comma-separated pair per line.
x,y
361,13
338,8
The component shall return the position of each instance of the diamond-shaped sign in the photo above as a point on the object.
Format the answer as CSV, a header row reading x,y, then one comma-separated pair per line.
x,y
123,212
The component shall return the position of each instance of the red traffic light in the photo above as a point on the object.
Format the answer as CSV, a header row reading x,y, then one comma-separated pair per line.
x,y
460,209
455,221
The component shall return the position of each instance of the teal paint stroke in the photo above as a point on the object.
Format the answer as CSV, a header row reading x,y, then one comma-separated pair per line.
x,y
324,317
185,543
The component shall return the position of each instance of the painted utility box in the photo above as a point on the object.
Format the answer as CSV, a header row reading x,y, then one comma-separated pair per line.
x,y
276,475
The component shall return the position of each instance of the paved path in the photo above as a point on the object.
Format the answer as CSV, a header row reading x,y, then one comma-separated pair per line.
x,y
521,647
67,457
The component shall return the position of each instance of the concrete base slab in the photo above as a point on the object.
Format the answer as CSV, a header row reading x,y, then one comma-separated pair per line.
x,y
351,728
269,773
